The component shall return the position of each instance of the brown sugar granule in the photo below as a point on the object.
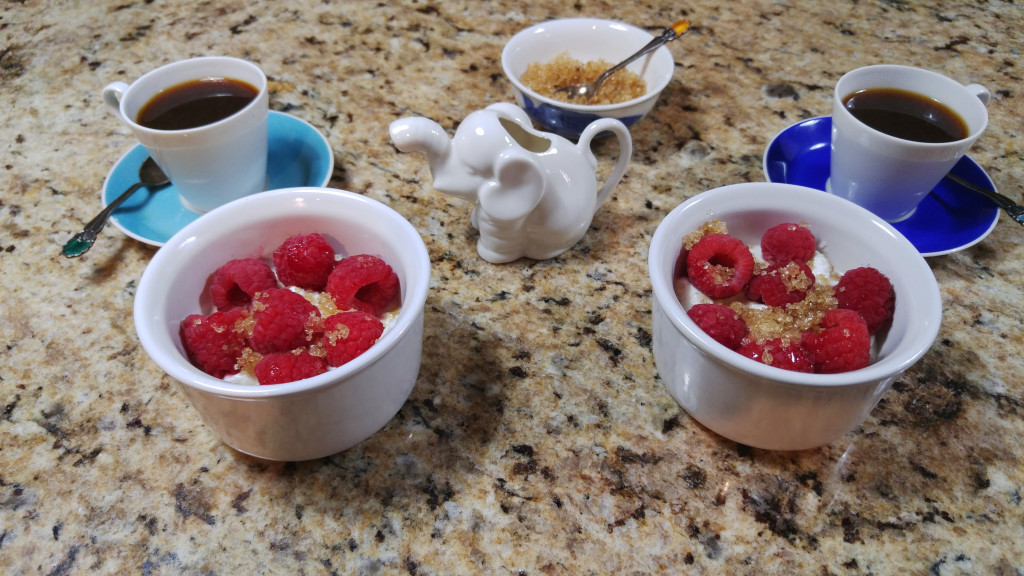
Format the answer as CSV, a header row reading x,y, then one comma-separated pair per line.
x,y
619,87
713,226
787,322
791,320
248,360
794,278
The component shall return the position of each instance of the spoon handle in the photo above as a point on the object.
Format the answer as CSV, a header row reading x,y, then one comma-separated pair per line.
x,y
96,224
668,35
80,243
1016,211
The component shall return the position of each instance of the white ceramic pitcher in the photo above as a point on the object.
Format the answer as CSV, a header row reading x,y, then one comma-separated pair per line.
x,y
534,193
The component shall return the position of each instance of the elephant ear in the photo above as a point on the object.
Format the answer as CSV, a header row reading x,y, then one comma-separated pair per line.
x,y
517,187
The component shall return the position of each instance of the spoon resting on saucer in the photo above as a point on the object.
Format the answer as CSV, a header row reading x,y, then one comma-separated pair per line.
x,y
150,176
1016,211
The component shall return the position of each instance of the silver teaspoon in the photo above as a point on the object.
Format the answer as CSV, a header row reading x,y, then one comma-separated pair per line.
x,y
1016,211
588,90
150,176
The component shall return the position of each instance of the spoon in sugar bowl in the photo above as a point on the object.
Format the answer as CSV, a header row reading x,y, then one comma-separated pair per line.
x,y
150,176
588,90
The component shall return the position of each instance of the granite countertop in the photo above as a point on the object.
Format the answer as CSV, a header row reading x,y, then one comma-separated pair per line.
x,y
539,438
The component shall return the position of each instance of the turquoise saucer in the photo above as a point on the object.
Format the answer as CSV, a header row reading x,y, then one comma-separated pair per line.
x,y
297,155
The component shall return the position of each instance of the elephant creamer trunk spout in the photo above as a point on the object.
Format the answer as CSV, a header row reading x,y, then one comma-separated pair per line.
x,y
422,135
429,138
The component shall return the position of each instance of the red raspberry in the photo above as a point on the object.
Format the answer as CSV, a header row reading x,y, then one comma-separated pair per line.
x,y
283,320
304,261
214,343
781,284
787,242
868,292
679,270
720,322
237,281
364,283
778,352
842,345
281,367
349,334
719,265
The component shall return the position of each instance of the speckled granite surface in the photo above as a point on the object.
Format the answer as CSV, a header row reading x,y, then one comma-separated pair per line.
x,y
539,439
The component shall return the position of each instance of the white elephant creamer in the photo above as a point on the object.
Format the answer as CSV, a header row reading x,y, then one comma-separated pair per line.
x,y
534,193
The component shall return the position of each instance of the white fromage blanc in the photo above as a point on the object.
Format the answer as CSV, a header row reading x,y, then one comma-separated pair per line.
x,y
242,378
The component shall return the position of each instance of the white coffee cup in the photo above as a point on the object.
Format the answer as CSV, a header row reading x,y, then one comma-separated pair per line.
x,y
212,164
885,174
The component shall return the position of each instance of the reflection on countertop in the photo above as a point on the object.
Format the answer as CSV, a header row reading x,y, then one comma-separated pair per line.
x,y
539,438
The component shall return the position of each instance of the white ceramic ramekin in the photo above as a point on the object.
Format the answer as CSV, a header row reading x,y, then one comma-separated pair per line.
x,y
309,418
767,407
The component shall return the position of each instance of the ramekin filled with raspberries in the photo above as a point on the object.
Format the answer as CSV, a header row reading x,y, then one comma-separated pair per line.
x,y
781,314
309,313
292,319
779,302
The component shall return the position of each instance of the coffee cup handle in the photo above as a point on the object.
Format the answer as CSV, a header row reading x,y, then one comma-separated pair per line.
x,y
981,92
112,94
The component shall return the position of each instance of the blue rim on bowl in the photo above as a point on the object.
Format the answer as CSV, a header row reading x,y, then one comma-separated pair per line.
x,y
297,155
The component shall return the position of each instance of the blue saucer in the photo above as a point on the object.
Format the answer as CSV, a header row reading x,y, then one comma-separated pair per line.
x,y
297,155
949,219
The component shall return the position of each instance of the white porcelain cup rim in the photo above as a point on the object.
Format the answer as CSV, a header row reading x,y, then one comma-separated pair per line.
x,y
976,117
119,97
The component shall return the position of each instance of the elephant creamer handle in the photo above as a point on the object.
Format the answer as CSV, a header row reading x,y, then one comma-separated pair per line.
x,y
625,152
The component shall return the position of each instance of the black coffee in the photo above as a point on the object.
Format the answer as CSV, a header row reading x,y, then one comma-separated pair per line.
x,y
196,103
907,115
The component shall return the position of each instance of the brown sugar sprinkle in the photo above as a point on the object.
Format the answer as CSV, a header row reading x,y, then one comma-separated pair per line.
x,y
246,322
248,360
722,275
713,226
619,87
314,325
340,332
793,278
787,322
791,320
